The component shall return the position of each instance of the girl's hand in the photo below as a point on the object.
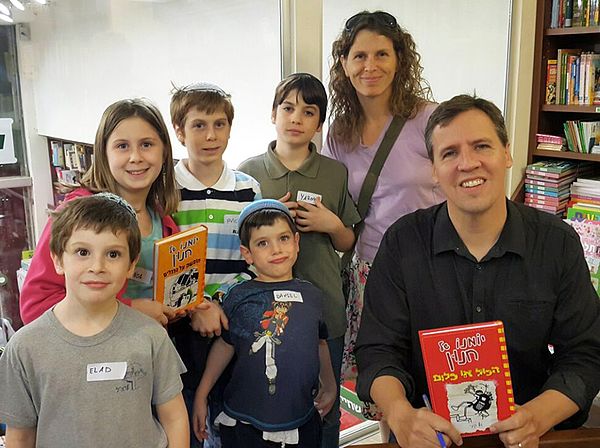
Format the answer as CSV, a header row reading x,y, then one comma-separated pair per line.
x,y
155,310
208,322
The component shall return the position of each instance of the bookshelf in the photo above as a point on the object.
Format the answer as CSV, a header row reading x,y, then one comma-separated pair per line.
x,y
549,118
68,161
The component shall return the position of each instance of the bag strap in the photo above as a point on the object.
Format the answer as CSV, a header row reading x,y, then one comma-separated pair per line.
x,y
370,182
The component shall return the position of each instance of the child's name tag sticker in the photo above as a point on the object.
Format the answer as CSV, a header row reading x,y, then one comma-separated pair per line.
x,y
231,223
142,275
287,296
106,371
307,196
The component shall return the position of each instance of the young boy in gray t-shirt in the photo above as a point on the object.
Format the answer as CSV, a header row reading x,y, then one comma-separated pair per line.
x,y
90,372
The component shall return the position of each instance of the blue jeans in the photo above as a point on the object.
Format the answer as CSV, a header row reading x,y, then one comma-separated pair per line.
x,y
331,422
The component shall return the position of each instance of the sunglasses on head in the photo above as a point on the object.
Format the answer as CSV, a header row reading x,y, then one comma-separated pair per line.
x,y
380,17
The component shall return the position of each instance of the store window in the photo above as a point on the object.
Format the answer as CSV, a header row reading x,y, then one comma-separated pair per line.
x,y
15,233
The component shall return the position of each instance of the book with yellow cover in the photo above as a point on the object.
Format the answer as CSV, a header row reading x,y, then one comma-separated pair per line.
x,y
179,267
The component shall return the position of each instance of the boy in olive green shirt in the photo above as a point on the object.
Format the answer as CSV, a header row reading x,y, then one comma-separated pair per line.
x,y
315,189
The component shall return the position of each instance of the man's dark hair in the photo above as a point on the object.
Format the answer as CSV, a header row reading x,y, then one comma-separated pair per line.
x,y
265,217
448,110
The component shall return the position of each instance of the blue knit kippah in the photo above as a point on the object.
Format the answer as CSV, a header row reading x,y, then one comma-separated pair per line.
x,y
263,204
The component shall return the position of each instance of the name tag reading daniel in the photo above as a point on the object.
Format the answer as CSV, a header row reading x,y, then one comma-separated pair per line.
x,y
287,296
106,371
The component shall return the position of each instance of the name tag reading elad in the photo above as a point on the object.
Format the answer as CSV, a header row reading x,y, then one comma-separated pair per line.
x,y
106,371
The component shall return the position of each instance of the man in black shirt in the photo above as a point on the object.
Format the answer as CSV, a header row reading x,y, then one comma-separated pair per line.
x,y
480,257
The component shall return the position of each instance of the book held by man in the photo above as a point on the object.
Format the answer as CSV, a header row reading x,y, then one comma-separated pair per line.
x,y
179,267
468,375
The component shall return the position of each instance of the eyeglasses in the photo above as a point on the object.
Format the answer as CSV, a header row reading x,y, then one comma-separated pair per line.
x,y
380,17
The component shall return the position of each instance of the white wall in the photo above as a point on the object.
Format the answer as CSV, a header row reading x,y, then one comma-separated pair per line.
x,y
90,53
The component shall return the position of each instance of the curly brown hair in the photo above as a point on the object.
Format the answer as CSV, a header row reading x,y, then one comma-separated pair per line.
x,y
409,89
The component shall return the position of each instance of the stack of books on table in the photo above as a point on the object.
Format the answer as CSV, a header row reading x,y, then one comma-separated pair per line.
x,y
547,184
585,199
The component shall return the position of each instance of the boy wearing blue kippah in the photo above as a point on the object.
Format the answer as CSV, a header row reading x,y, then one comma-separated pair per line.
x,y
277,332
315,189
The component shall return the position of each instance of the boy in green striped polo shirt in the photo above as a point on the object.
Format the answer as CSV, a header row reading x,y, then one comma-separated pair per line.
x,y
214,195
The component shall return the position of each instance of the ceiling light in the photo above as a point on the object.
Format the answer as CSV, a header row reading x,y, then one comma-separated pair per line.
x,y
17,4
41,2
4,9
6,18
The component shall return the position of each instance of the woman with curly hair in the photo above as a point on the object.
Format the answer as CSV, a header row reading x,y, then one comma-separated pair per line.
x,y
376,75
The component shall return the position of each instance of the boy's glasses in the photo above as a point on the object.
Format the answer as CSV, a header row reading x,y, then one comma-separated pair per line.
x,y
380,17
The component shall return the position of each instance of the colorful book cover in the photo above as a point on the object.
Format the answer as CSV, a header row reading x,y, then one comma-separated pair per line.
x,y
583,212
179,268
468,375
551,82
589,234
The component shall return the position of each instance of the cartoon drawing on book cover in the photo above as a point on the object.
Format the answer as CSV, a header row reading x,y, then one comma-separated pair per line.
x,y
472,405
273,324
181,289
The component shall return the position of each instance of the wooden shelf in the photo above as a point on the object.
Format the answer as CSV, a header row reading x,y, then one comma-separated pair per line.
x,y
572,31
572,108
566,155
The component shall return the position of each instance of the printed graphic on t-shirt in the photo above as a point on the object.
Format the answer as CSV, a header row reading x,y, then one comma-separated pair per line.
x,y
273,324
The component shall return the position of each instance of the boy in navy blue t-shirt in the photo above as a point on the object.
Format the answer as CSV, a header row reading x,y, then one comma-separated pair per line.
x,y
277,333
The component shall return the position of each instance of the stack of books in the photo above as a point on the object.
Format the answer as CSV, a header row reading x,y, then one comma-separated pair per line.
x,y
585,198
547,185
549,142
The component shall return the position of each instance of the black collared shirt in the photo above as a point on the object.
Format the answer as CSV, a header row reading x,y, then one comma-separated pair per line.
x,y
535,279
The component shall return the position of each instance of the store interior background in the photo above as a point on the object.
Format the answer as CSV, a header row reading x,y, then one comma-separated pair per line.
x,y
65,61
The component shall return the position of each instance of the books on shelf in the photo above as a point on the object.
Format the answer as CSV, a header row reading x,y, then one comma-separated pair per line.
x,y
577,77
550,142
551,81
583,136
179,268
468,375
574,13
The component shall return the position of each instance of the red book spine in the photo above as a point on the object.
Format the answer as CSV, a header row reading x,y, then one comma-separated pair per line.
x,y
468,375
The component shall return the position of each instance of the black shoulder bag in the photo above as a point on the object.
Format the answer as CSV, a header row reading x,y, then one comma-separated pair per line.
x,y
368,186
